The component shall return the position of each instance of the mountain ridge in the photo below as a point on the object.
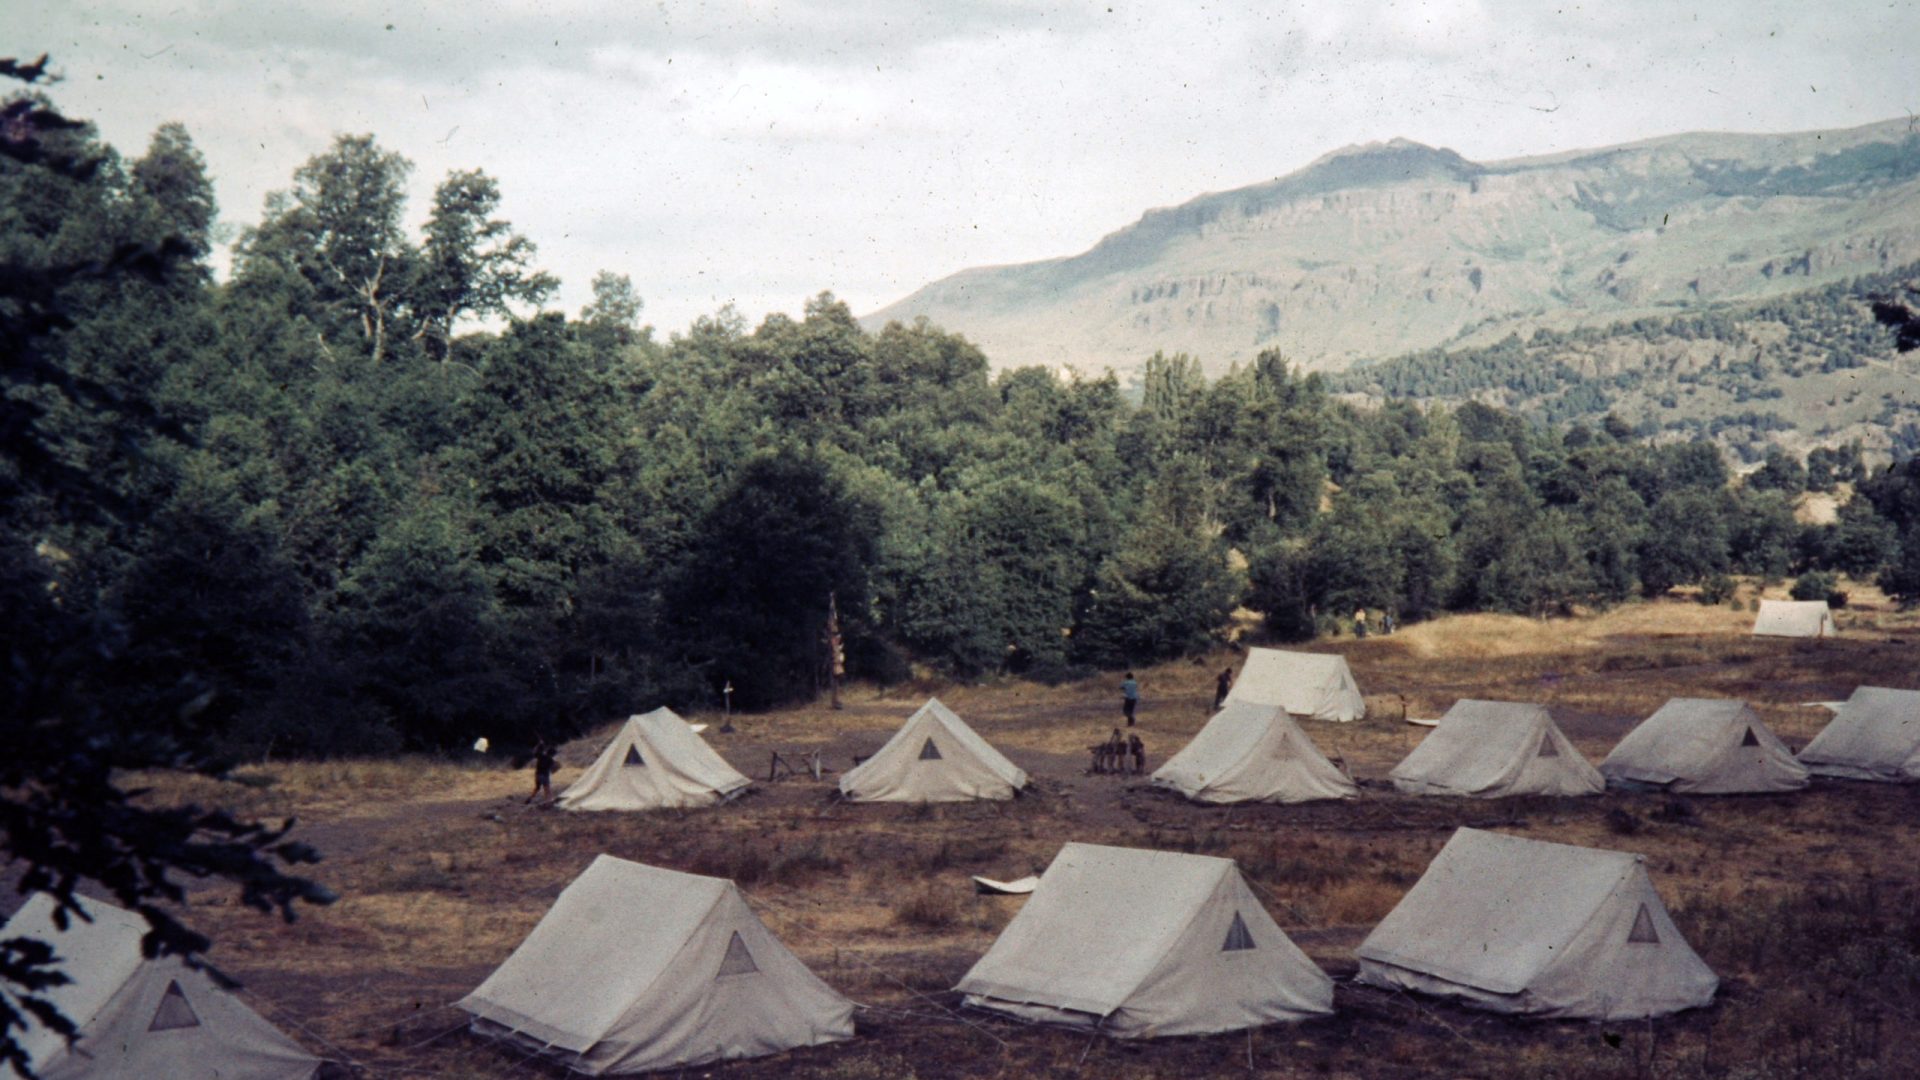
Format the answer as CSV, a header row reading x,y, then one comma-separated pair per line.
x,y
1384,248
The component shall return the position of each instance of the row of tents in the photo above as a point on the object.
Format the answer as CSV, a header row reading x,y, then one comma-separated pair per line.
x,y
1255,752
1505,923
1490,749
637,968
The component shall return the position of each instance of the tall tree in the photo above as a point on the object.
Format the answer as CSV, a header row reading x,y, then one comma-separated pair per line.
x,y
341,231
64,816
471,264
749,604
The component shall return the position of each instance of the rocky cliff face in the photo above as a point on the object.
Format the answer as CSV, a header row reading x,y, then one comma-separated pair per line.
x,y
1382,249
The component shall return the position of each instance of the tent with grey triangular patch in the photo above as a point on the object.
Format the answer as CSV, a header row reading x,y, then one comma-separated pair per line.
x,y
1253,753
1874,735
636,968
137,1017
655,760
934,757
1704,746
1525,926
1490,749
1141,944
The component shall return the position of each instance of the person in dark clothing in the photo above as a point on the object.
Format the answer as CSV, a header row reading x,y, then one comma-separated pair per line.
x,y
1139,750
1129,698
1220,687
544,757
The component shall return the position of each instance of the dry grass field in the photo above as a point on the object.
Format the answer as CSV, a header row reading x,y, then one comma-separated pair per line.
x,y
1807,905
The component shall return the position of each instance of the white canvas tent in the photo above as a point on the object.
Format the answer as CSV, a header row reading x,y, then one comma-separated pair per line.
x,y
934,757
1705,746
1794,618
1253,753
1874,736
654,761
1318,685
1141,944
1490,749
1530,927
636,968
141,1018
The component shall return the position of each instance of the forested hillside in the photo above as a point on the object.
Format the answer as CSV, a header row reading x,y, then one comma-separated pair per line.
x,y
309,509
1808,369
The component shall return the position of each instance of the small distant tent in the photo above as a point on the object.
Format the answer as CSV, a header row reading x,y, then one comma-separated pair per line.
x,y
934,757
1317,685
1142,944
1794,618
1541,929
1490,749
656,760
1253,753
636,968
1705,746
139,1017
1874,736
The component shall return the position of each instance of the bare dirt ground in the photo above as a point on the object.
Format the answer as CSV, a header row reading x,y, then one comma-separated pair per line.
x,y
1808,905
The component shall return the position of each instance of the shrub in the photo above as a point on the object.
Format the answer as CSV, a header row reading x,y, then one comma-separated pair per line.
x,y
1718,589
1815,585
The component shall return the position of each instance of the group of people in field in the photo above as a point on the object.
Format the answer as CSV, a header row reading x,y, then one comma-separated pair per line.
x,y
1120,755
1360,625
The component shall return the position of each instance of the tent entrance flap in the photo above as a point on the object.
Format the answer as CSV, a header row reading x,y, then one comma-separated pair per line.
x,y
175,1011
1643,932
929,752
633,756
738,960
1238,937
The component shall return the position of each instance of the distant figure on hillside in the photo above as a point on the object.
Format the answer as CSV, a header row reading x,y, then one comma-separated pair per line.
x,y
1360,623
1129,698
1220,687
1139,750
544,757
1387,622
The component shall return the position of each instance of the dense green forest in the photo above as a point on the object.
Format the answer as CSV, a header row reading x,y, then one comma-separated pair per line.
x,y
311,507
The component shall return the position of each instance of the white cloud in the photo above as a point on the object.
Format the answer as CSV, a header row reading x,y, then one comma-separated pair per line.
x,y
762,151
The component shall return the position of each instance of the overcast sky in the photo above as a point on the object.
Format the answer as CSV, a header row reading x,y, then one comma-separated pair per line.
x,y
759,151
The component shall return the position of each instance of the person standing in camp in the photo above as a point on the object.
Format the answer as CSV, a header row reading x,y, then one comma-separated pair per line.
x,y
1139,750
1360,623
1220,687
1129,698
1386,622
543,762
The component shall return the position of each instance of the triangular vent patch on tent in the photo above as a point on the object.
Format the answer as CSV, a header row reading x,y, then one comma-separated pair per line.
x,y
738,960
1547,749
1237,936
929,752
1643,931
174,1012
633,755
1751,739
